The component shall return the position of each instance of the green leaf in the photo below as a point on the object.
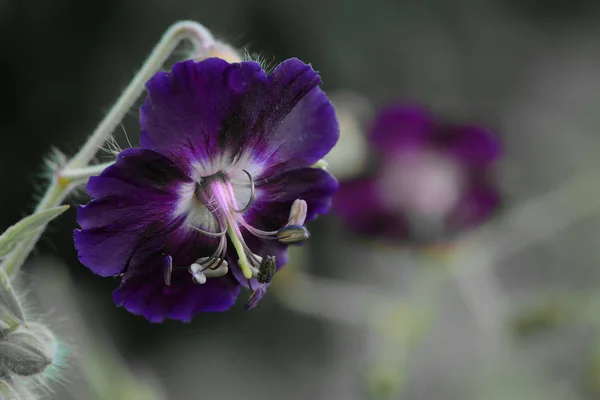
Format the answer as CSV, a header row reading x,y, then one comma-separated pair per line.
x,y
26,227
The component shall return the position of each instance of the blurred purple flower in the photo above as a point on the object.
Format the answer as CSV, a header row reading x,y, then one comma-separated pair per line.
x,y
432,181
187,218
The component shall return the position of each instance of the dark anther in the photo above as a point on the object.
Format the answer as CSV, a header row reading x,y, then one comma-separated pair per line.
x,y
292,234
266,269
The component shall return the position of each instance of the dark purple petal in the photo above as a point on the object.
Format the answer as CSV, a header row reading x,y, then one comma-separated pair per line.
x,y
201,111
473,146
143,289
134,199
402,128
478,204
147,295
130,227
274,197
297,125
359,204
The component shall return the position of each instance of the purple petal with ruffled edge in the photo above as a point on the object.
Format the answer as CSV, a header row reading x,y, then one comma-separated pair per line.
x,y
130,226
134,199
401,128
275,196
297,126
201,111
147,295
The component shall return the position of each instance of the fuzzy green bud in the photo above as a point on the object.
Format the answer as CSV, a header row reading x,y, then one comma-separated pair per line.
x,y
28,351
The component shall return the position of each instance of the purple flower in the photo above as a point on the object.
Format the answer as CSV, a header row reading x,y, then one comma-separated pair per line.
x,y
432,179
224,164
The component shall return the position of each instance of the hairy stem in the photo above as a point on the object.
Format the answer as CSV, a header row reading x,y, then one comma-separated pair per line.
x,y
202,40
83,174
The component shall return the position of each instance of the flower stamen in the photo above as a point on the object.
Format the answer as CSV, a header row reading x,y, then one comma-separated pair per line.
x,y
298,212
252,194
217,194
168,269
266,270
207,233
292,234
240,248
200,273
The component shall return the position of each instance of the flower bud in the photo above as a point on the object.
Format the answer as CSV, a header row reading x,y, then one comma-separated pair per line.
x,y
28,351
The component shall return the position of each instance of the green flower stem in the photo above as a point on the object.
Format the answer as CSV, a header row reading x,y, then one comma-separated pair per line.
x,y
77,170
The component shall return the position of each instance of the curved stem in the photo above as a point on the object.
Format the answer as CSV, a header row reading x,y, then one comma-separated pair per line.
x,y
77,169
203,41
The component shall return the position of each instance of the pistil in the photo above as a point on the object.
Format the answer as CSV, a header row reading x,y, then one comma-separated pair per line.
x,y
234,234
217,194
